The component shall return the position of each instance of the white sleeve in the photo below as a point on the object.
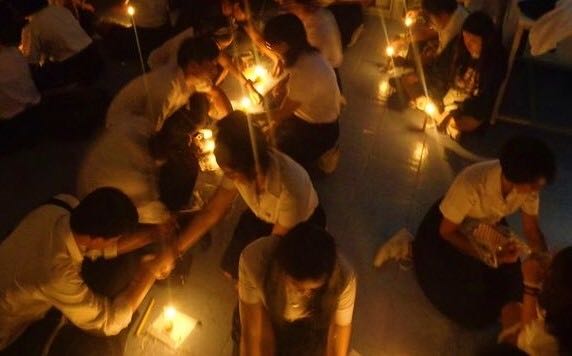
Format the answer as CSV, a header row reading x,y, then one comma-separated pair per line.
x,y
69,293
458,201
346,301
247,290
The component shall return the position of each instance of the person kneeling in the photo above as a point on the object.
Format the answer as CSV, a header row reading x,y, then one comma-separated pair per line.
x,y
296,295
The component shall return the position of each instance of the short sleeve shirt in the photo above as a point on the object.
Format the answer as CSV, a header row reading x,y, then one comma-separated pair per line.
x,y
253,266
312,83
288,197
323,33
476,194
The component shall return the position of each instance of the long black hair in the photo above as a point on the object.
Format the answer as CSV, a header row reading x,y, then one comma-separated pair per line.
x,y
492,62
289,29
556,300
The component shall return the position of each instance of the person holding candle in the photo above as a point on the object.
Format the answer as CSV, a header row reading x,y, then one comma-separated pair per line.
x,y
296,294
306,122
448,266
278,192
41,265
479,67
153,97
542,324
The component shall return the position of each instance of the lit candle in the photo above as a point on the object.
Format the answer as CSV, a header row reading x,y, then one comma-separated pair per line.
x,y
430,108
383,87
130,10
209,146
408,21
207,133
260,72
245,103
390,51
169,313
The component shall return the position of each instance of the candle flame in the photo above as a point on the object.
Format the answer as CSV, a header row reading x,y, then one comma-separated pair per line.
x,y
245,102
430,108
130,10
170,313
390,51
408,21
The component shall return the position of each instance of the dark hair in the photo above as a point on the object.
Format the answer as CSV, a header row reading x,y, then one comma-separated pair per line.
x,y
289,29
436,7
173,138
106,212
306,252
526,159
29,7
236,141
197,50
556,300
492,62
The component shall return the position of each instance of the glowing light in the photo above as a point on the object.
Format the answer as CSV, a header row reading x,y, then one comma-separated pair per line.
x,y
383,88
170,313
408,21
245,103
207,133
209,146
390,51
260,71
430,108
130,10
419,153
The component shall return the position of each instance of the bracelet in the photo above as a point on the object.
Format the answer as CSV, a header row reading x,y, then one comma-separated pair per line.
x,y
531,291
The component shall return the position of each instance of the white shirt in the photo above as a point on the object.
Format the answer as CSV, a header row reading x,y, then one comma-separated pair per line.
x,y
253,267
453,27
152,98
313,84
551,28
53,34
288,197
476,195
167,52
17,89
323,33
40,268
536,341
119,160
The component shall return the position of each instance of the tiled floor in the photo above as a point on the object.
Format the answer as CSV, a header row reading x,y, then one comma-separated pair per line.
x,y
390,172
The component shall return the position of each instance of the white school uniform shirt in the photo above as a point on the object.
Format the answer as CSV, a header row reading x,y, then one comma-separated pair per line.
x,y
535,340
323,33
152,98
288,197
17,88
40,268
167,52
53,34
453,27
312,82
121,160
476,195
253,267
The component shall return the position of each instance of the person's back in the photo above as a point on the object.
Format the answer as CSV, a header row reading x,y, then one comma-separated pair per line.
x,y
53,34
323,33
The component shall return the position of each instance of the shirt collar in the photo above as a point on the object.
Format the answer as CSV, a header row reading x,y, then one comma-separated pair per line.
x,y
64,229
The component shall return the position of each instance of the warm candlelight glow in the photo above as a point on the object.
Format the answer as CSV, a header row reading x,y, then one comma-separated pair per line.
x,y
408,21
245,103
390,51
260,71
383,88
430,108
170,313
207,133
131,10
209,146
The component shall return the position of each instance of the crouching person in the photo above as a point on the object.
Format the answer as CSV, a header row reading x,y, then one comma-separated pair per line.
x,y
296,295
41,263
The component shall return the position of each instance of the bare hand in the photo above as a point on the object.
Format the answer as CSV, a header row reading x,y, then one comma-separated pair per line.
x,y
278,69
507,253
533,271
161,265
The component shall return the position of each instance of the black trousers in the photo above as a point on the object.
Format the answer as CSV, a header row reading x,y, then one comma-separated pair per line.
x,y
84,67
462,288
305,142
251,228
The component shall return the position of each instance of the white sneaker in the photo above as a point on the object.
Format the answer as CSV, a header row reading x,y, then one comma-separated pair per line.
x,y
398,247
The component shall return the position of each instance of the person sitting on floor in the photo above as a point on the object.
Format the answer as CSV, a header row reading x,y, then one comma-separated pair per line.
x,y
446,18
18,93
306,123
479,67
277,191
296,295
153,97
542,324
321,28
56,45
41,260
448,266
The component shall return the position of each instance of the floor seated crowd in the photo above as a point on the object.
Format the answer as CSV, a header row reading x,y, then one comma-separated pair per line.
x,y
92,256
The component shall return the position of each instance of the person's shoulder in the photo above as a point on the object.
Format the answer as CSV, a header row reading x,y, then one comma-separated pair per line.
x,y
479,171
258,252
